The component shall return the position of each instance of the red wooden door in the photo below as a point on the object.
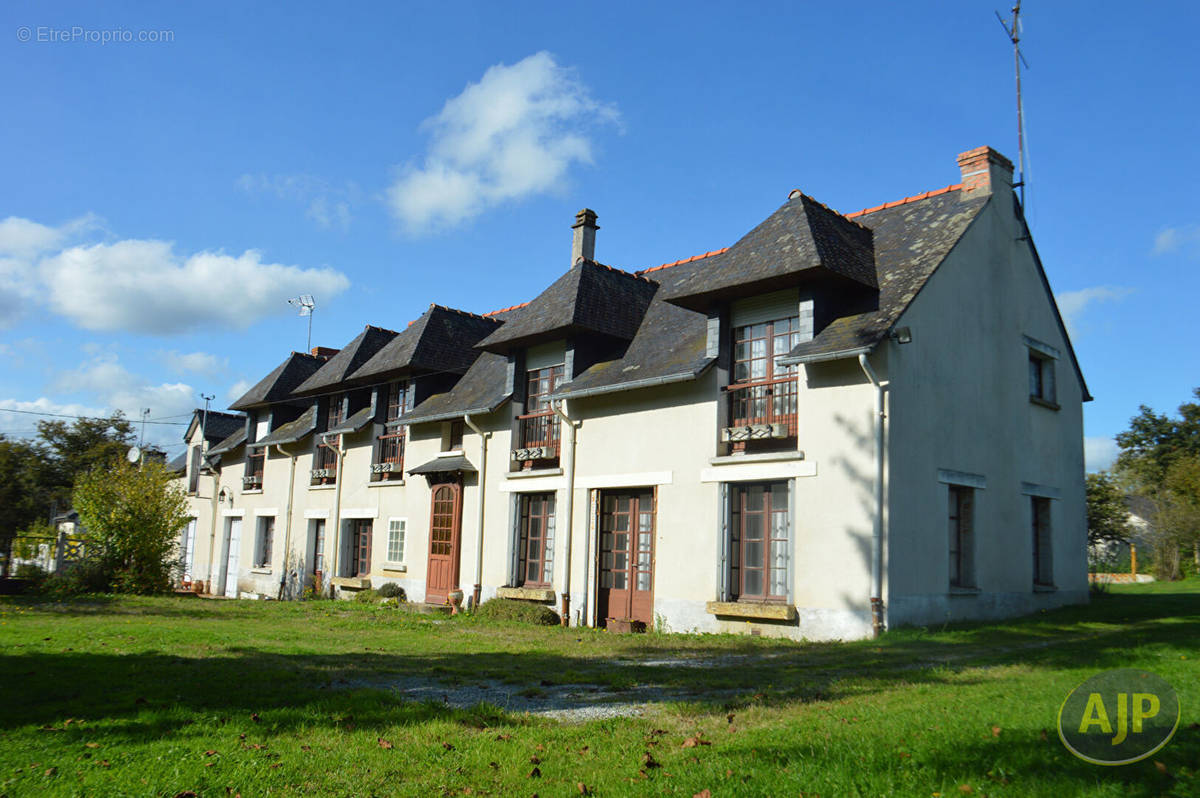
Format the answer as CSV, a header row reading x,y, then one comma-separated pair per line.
x,y
626,565
445,521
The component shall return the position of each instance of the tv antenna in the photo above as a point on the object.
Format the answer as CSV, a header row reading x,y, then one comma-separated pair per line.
x,y
307,305
1013,31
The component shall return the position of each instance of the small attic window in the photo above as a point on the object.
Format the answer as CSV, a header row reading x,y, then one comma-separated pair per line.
x,y
1042,360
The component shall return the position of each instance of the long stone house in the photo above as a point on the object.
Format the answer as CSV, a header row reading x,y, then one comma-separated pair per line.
x,y
837,424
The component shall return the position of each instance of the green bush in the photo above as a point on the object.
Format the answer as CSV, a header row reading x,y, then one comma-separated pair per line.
x,y
32,573
499,609
366,596
89,576
391,590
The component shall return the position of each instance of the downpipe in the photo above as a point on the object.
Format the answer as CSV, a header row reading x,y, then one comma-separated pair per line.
x,y
560,410
483,453
337,509
287,531
877,532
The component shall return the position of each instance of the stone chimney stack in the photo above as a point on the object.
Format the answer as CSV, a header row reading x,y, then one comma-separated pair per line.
x,y
984,171
583,243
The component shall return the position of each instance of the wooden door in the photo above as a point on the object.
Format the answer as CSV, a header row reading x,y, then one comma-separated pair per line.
x,y
233,553
626,557
445,521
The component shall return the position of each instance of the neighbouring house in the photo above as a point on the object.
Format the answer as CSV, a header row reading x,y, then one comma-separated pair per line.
x,y
836,424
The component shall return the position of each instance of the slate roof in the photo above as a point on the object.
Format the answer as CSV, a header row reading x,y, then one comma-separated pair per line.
x,y
803,240
349,359
229,444
441,464
481,390
291,431
279,384
355,422
911,240
218,427
589,298
669,346
179,464
443,339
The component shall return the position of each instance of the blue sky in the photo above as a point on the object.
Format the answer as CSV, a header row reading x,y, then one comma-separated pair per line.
x,y
162,199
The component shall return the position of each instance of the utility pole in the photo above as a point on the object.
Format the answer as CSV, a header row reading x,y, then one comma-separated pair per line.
x,y
142,436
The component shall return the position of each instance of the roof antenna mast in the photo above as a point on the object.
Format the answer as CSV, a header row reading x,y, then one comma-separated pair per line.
x,y
1013,32
307,305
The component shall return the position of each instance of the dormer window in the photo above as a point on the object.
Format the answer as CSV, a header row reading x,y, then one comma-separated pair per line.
x,y
538,433
389,450
762,395
324,470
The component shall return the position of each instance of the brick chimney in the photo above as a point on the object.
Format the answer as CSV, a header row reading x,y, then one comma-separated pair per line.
x,y
583,243
325,352
984,171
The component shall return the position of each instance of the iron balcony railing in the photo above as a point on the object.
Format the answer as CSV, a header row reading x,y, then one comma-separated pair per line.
x,y
769,405
537,436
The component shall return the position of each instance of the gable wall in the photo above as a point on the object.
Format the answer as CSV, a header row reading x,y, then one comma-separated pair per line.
x,y
959,400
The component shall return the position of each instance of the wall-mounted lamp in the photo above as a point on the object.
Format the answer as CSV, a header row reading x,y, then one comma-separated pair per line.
x,y
225,496
901,335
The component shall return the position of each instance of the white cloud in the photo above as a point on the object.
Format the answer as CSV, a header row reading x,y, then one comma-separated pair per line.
x,y
238,390
23,423
1073,304
513,134
116,388
1173,239
328,205
143,285
1099,453
21,242
202,363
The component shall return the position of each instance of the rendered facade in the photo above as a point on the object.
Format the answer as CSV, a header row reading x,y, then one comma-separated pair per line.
x,y
839,423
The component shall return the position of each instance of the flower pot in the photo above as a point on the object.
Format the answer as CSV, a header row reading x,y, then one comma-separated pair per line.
x,y
455,600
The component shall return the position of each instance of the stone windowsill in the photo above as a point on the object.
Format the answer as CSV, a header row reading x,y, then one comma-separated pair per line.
x,y
964,591
398,567
322,487
384,483
537,472
351,582
452,453
1045,589
254,492
1037,400
526,593
764,457
745,609
260,570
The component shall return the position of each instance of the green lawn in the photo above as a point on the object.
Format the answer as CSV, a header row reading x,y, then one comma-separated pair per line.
x,y
174,695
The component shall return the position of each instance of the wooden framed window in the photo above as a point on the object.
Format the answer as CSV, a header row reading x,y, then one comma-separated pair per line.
x,y
454,440
1043,562
763,391
1041,379
759,534
264,541
535,547
961,513
324,455
360,547
389,448
538,427
194,470
256,460
396,535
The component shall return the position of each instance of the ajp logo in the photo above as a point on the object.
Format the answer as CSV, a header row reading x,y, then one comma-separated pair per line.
x,y
1119,716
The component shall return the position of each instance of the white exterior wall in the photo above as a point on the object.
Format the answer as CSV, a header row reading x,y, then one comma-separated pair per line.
x,y
959,401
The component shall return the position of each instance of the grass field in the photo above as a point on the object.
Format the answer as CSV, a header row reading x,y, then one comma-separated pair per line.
x,y
166,696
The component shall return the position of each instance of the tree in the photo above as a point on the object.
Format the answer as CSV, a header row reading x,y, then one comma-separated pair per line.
x,y
76,448
1107,515
1153,440
20,490
133,516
